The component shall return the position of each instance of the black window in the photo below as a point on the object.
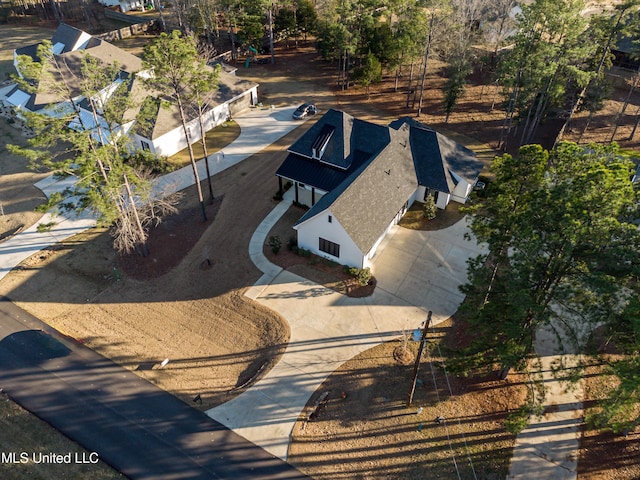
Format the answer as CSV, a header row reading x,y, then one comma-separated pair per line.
x,y
330,218
329,247
145,146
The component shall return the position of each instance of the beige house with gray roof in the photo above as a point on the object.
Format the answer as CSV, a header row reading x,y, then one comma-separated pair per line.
x,y
165,135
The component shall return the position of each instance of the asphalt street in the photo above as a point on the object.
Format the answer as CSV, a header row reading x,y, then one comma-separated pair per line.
x,y
137,428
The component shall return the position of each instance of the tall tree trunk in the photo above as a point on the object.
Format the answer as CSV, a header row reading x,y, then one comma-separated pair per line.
x,y
194,166
409,85
273,58
426,62
583,92
635,126
142,238
203,135
56,12
634,84
508,119
234,55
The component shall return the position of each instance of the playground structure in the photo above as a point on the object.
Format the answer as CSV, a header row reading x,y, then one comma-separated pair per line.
x,y
254,52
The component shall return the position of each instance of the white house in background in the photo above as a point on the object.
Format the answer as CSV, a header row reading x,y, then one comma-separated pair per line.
x,y
359,178
165,136
125,5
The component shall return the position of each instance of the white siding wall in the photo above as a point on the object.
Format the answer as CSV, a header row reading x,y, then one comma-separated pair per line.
x,y
305,195
443,200
419,195
174,141
461,192
310,231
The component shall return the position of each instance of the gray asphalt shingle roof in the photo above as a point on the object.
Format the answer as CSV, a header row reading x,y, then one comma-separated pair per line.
x,y
365,199
436,156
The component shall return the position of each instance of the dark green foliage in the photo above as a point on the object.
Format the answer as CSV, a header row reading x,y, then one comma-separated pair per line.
x,y
560,238
144,160
457,73
275,243
362,275
369,72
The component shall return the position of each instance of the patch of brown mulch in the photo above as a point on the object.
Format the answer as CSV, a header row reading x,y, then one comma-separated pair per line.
x,y
170,241
317,269
414,219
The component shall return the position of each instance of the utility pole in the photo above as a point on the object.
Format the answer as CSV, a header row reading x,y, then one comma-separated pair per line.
x,y
423,339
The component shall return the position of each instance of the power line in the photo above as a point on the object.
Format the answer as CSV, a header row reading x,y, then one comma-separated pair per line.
x,y
455,410
444,421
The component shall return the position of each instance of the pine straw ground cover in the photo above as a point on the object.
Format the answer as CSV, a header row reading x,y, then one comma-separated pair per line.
x,y
363,429
605,455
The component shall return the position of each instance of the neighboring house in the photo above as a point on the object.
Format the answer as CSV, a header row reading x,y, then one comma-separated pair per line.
x,y
165,136
125,5
359,178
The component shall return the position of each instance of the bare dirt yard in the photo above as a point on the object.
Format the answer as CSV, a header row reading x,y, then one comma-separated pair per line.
x,y
185,301
362,428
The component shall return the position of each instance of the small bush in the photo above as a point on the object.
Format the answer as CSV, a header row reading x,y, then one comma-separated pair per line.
x,y
362,275
292,244
287,185
303,252
275,243
429,210
278,196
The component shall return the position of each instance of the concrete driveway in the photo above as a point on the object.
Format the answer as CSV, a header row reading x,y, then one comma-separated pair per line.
x,y
425,269
416,272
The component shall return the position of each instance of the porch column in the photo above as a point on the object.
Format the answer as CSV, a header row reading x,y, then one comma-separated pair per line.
x,y
297,200
280,186
313,196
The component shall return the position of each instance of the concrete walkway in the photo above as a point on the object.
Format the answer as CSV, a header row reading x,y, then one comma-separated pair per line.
x,y
549,445
328,328
260,127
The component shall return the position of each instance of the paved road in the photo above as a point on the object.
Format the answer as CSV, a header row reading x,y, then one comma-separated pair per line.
x,y
136,427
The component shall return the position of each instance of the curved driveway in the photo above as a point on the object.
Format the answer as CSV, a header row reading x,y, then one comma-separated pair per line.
x,y
416,272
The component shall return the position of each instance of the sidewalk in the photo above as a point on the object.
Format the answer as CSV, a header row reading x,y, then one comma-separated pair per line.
x,y
549,446
260,128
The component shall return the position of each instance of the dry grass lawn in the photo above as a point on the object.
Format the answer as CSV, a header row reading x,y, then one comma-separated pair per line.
x,y
217,139
365,430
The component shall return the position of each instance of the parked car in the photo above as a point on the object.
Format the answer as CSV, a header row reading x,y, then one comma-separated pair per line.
x,y
304,110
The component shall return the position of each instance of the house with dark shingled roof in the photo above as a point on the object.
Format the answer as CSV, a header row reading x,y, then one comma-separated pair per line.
x,y
359,178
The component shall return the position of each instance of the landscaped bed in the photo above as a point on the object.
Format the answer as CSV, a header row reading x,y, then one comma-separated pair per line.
x,y
313,267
